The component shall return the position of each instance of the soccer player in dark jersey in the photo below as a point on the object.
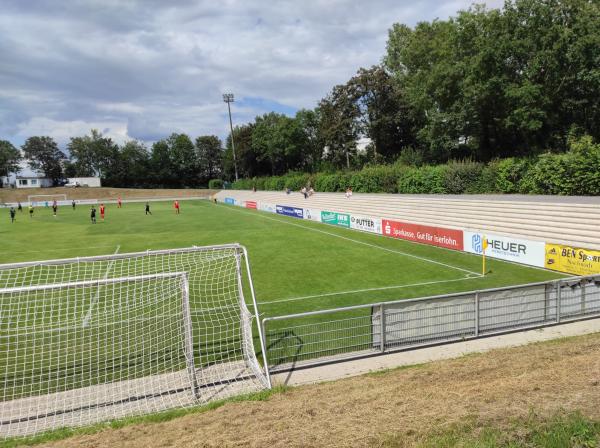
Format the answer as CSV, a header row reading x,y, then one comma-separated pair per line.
x,y
148,208
12,214
93,214
19,207
73,204
54,208
30,211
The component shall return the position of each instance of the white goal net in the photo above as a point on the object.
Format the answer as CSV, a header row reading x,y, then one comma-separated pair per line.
x,y
93,339
38,200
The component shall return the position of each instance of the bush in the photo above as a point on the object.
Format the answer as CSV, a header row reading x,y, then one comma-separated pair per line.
x,y
376,179
512,175
426,179
215,184
462,176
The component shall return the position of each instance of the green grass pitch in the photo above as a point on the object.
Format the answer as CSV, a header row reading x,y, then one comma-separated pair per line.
x,y
297,265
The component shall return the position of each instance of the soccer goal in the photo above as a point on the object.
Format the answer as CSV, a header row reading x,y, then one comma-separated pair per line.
x,y
42,199
93,339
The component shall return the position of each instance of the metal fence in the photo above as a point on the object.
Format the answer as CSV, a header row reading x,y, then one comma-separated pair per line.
x,y
324,336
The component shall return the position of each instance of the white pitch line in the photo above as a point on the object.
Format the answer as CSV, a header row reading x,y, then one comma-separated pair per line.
x,y
88,316
293,299
363,243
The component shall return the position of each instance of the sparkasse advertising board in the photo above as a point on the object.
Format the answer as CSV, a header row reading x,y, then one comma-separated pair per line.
x,y
365,223
506,248
434,236
294,212
312,214
337,219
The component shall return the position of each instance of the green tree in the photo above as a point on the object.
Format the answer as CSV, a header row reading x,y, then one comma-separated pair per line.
x,y
312,154
43,154
9,158
95,155
209,152
134,165
278,140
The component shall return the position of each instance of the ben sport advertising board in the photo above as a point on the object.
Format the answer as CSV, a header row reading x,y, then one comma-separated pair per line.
x,y
434,236
506,248
574,260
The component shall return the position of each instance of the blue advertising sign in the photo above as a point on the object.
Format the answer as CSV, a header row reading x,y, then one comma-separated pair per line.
x,y
294,212
230,201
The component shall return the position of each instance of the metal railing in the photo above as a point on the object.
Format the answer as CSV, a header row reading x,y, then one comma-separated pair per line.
x,y
356,331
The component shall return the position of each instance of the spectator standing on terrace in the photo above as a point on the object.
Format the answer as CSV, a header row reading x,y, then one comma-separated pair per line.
x,y
254,189
348,193
304,192
311,191
287,190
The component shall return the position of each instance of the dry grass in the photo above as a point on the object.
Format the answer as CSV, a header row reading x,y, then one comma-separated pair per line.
x,y
14,195
400,407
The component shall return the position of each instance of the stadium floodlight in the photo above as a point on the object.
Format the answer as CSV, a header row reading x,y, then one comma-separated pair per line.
x,y
228,98
92,339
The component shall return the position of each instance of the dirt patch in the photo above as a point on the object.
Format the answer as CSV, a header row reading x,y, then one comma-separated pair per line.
x,y
409,403
14,195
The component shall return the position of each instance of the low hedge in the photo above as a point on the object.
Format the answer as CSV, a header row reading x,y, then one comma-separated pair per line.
x,y
576,172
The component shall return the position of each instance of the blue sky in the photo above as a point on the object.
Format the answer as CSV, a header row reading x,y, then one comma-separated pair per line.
x,y
144,69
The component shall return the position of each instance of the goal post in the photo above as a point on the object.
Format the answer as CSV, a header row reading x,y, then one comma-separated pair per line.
x,y
163,329
41,199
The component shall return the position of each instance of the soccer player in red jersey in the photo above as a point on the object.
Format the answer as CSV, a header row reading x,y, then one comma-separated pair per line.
x,y
119,202
102,212
176,205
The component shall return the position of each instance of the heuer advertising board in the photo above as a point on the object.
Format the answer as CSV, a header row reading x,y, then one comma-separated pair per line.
x,y
506,248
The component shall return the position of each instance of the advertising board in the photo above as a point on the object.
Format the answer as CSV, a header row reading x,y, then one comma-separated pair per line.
x,y
312,214
250,204
337,219
294,212
435,236
365,223
572,260
506,248
230,201
266,207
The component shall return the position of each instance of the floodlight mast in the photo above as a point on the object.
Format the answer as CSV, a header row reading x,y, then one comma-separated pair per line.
x,y
228,98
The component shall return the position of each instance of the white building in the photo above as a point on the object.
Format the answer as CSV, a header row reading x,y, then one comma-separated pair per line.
x,y
26,177
83,182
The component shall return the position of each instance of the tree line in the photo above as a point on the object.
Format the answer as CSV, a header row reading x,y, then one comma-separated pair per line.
x,y
174,162
487,84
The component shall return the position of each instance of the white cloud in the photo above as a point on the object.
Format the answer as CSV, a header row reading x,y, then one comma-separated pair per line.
x,y
148,68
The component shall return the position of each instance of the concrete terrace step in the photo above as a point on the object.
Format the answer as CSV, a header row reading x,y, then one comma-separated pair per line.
x,y
545,220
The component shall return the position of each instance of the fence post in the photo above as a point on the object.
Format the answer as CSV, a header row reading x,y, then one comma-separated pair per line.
x,y
476,313
558,302
382,337
583,283
264,344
